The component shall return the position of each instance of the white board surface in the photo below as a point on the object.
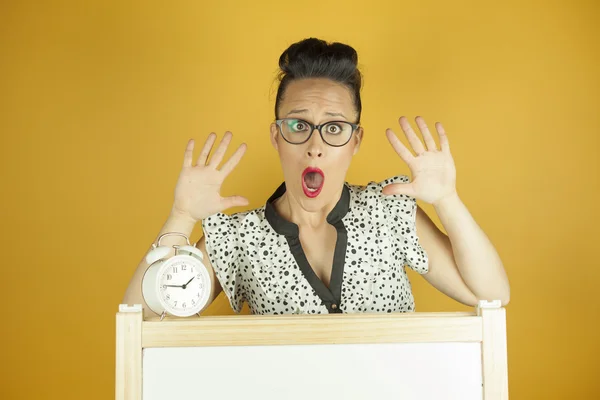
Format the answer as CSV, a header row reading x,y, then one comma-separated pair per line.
x,y
344,371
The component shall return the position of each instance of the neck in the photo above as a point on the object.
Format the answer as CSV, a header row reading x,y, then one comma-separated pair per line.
x,y
290,209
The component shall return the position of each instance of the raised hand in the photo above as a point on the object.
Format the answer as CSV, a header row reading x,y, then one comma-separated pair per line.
x,y
197,193
433,171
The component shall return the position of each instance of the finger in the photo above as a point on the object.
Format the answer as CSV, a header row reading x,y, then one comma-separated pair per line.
x,y
412,137
189,151
429,141
217,157
234,160
399,188
444,144
206,149
399,147
234,201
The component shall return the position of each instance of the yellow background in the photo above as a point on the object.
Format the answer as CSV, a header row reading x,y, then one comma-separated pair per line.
x,y
98,99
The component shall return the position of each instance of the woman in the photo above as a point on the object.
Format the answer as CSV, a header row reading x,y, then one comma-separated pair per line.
x,y
319,244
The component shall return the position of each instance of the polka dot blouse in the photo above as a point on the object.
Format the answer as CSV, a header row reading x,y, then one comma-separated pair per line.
x,y
258,258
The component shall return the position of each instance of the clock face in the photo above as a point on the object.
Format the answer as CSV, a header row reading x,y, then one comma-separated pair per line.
x,y
184,286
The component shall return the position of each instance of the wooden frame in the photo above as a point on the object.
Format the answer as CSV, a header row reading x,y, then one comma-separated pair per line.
x,y
487,325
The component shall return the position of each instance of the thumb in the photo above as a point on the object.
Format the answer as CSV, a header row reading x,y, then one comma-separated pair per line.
x,y
234,201
399,188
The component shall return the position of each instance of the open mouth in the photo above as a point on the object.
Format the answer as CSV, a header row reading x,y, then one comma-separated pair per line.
x,y
312,181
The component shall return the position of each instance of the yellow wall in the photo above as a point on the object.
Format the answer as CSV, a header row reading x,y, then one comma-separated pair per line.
x,y
97,101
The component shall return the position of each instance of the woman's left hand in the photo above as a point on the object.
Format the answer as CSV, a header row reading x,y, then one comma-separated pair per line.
x,y
433,171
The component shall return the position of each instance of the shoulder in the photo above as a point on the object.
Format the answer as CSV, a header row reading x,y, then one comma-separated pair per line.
x,y
236,222
375,187
370,195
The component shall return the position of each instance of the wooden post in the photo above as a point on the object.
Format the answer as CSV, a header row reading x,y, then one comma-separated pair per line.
x,y
494,350
128,382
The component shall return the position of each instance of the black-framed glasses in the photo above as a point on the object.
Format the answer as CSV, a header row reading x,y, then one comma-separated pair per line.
x,y
298,131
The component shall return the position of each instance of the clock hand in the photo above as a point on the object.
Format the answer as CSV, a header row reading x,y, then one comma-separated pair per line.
x,y
188,282
174,286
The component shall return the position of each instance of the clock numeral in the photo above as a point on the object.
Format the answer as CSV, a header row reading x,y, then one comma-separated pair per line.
x,y
183,305
193,302
184,267
168,296
174,270
169,277
164,287
198,276
175,303
198,295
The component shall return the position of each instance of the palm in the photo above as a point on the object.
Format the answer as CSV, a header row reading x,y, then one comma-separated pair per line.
x,y
433,171
197,193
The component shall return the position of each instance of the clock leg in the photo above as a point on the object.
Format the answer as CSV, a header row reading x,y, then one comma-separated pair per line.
x,y
163,315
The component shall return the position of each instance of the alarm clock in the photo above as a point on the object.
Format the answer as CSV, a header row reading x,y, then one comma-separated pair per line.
x,y
178,285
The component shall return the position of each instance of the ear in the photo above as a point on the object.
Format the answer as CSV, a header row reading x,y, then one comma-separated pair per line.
x,y
273,135
358,140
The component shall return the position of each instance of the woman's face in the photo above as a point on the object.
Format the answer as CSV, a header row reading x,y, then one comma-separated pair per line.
x,y
314,171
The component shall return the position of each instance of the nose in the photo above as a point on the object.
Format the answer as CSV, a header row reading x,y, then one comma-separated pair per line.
x,y
314,153
315,145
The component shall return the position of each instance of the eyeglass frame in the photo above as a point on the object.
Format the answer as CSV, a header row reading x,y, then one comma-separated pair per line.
x,y
319,127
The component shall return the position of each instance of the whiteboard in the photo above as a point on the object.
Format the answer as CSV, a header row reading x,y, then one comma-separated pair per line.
x,y
321,371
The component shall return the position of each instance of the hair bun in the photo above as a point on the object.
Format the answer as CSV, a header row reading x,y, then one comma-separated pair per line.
x,y
313,57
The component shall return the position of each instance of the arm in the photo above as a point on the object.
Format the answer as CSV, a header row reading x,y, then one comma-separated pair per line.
x,y
463,265
196,197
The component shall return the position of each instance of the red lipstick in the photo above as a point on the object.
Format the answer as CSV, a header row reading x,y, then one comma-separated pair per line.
x,y
315,189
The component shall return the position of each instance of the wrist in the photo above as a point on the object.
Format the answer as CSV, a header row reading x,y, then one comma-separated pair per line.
x,y
447,202
182,218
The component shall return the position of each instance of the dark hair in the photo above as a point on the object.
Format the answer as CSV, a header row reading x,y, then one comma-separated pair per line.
x,y
315,58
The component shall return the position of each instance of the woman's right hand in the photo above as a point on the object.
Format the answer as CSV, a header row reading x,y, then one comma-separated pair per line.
x,y
197,193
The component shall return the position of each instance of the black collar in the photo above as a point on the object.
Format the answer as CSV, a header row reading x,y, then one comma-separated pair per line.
x,y
330,296
287,228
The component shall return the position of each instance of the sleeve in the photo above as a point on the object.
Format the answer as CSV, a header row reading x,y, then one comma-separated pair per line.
x,y
401,212
221,233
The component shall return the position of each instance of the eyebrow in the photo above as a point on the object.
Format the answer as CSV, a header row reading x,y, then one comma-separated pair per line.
x,y
304,110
